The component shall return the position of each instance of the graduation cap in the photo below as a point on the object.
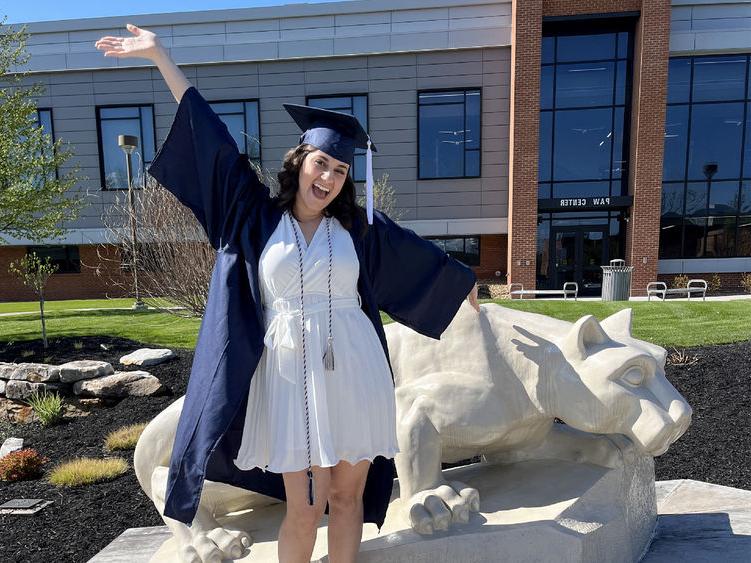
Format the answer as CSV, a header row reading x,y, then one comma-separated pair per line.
x,y
338,135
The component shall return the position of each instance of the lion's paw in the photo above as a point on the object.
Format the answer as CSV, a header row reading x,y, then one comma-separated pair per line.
x,y
215,546
435,509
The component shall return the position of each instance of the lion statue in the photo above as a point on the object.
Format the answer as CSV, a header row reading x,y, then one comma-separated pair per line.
x,y
505,385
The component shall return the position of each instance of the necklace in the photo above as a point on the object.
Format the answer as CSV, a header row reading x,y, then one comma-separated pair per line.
x,y
328,356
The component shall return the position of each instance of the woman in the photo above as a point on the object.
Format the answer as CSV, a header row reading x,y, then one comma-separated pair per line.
x,y
320,402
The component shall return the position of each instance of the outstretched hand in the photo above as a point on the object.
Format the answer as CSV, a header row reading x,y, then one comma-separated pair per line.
x,y
472,298
144,44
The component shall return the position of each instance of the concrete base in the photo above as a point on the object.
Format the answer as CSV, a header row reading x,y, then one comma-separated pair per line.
x,y
535,510
697,522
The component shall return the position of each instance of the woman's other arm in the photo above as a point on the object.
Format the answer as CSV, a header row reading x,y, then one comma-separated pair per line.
x,y
146,45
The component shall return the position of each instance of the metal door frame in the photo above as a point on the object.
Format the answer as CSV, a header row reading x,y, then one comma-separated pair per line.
x,y
579,230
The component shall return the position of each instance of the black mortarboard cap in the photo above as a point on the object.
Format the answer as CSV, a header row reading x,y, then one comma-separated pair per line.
x,y
337,134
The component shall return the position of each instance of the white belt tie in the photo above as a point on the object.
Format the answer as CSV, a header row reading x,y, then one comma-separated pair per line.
x,y
285,319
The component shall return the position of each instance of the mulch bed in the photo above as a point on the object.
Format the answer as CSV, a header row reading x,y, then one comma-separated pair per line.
x,y
84,520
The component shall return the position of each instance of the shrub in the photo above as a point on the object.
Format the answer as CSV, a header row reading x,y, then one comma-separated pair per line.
x,y
714,284
124,438
48,407
746,282
22,464
679,281
86,470
78,345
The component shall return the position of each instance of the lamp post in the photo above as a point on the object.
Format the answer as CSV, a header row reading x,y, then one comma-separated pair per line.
x,y
129,143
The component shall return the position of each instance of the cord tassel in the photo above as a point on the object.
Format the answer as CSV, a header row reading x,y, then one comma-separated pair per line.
x,y
311,494
369,183
328,356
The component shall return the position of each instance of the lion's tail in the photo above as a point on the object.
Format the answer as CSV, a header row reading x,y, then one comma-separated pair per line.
x,y
154,447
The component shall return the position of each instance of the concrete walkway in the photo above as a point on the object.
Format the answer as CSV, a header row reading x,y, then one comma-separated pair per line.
x,y
89,309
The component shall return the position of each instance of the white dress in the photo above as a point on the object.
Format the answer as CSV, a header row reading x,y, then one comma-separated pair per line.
x,y
351,409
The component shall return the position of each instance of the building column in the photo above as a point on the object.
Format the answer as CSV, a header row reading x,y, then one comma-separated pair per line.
x,y
524,122
649,96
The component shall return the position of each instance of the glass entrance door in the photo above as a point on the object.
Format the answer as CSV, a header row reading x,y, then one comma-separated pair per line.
x,y
576,255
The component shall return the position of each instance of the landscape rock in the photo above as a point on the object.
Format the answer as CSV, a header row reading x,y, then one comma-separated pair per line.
x,y
84,369
16,411
2,387
147,357
11,444
38,373
20,390
6,369
120,384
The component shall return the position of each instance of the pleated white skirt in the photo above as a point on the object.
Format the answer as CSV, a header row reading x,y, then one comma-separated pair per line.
x,y
351,409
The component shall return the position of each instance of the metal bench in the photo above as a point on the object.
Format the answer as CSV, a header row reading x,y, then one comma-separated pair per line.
x,y
660,289
569,288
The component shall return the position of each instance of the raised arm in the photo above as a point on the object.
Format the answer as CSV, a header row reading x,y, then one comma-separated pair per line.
x,y
199,161
145,44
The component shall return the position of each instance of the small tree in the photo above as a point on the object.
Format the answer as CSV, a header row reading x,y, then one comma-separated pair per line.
x,y
34,274
384,198
33,196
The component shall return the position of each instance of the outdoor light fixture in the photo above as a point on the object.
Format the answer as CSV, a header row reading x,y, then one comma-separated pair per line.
x,y
129,143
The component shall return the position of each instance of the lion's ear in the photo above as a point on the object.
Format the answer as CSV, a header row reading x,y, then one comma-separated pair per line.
x,y
584,333
618,323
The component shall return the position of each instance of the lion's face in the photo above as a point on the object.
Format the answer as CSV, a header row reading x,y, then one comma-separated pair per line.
x,y
619,385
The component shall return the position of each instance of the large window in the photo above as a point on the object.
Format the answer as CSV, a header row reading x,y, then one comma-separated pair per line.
x,y
65,256
129,120
44,120
449,134
584,96
242,120
352,105
707,159
465,249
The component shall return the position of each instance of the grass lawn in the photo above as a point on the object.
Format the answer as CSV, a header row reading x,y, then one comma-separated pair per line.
x,y
677,323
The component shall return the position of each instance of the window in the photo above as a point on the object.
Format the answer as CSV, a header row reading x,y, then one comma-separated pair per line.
x,y
44,119
584,100
65,256
130,120
356,105
243,122
707,165
449,134
465,249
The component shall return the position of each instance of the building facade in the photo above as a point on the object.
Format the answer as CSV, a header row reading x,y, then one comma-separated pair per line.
x,y
535,140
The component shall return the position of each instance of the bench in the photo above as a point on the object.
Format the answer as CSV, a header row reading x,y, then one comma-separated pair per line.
x,y
660,289
569,288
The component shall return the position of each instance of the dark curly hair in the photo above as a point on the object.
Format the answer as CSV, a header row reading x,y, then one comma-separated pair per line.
x,y
344,206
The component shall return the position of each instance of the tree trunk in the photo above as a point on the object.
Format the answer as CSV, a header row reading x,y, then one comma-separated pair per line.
x,y
44,329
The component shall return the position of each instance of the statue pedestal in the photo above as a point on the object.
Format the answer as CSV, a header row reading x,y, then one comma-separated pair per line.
x,y
548,510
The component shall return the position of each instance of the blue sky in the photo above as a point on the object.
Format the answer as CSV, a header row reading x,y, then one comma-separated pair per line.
x,y
44,10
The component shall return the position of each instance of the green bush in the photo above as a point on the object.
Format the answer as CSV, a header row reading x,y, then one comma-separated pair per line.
x,y
22,464
124,438
746,282
48,407
86,470
679,281
714,284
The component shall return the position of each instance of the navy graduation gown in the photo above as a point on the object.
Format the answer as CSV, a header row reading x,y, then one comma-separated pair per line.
x,y
401,273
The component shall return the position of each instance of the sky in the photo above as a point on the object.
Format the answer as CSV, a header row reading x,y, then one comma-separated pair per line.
x,y
45,10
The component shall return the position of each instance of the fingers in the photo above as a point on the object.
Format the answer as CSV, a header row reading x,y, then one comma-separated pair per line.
x,y
133,29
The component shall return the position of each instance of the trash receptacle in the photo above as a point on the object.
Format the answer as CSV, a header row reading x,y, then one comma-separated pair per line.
x,y
616,281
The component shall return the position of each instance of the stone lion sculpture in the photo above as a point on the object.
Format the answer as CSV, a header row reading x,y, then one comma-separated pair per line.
x,y
492,386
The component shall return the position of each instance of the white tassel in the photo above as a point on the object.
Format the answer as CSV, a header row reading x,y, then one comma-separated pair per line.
x,y
369,183
328,356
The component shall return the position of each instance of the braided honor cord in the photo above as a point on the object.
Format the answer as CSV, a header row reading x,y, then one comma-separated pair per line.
x,y
311,495
328,356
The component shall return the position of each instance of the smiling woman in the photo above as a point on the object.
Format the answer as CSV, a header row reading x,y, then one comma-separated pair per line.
x,y
291,393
